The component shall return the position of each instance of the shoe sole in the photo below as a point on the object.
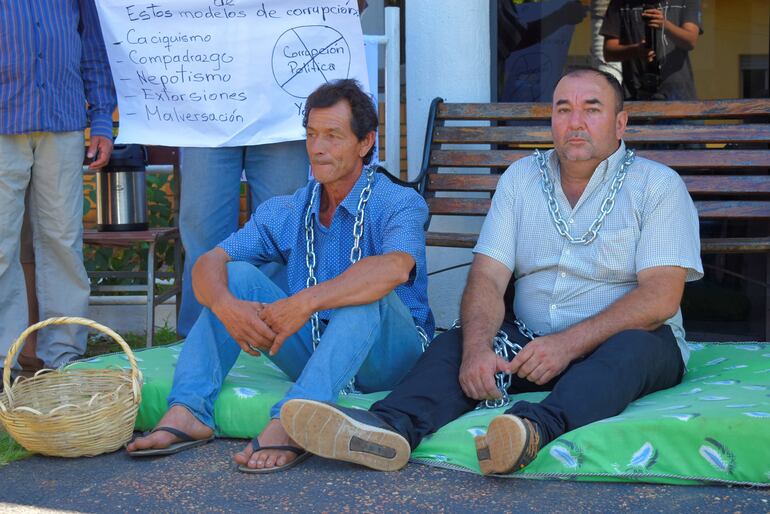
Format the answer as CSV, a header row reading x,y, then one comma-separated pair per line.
x,y
323,430
502,446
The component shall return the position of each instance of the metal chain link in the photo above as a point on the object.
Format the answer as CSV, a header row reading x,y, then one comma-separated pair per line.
x,y
358,226
310,263
604,210
355,256
506,349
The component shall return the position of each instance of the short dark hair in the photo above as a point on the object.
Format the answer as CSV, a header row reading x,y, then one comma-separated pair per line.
x,y
611,80
364,117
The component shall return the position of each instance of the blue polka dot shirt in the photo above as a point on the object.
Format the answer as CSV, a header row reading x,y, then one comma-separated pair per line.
x,y
393,222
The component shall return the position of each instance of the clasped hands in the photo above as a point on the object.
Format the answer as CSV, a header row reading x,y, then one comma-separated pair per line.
x,y
540,361
262,327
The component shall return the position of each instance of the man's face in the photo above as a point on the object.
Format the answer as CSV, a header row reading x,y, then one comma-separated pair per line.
x,y
335,152
584,123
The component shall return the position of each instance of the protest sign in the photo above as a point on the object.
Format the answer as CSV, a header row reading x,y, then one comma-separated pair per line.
x,y
225,72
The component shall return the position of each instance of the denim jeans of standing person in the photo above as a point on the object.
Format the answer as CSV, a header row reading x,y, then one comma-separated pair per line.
x,y
210,198
376,343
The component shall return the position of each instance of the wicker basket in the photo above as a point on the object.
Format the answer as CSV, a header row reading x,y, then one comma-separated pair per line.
x,y
71,412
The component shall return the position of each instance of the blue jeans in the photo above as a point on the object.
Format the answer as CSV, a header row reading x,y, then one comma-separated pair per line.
x,y
210,192
376,343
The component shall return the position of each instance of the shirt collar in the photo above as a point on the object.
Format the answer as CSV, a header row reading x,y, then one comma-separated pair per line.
x,y
610,164
350,203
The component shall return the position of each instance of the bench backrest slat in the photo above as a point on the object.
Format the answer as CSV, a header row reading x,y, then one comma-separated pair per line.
x,y
690,134
741,185
717,159
704,109
707,209
721,148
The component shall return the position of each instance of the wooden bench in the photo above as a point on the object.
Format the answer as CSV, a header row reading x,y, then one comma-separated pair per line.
x,y
719,147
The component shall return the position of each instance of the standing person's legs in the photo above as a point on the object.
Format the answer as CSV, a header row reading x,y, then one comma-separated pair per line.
x,y
272,170
208,212
275,169
16,158
56,213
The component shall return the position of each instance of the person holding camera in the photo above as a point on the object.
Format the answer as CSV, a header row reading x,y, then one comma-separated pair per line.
x,y
653,41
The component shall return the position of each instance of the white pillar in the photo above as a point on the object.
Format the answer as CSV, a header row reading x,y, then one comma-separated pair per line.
x,y
447,55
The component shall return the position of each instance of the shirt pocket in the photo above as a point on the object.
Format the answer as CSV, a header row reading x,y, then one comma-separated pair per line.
x,y
614,255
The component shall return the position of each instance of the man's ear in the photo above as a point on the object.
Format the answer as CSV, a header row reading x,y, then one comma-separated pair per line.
x,y
621,121
366,144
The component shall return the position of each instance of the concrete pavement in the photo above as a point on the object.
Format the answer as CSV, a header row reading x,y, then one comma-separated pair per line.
x,y
205,480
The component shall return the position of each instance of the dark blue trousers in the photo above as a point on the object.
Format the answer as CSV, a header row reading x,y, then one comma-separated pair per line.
x,y
627,366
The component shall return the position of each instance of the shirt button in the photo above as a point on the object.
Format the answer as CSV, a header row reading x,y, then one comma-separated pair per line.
x,y
563,274
40,55
566,252
572,220
553,307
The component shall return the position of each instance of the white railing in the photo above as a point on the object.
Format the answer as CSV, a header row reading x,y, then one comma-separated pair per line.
x,y
392,42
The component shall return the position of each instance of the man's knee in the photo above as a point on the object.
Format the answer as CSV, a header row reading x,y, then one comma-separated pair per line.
x,y
371,312
448,344
636,348
243,278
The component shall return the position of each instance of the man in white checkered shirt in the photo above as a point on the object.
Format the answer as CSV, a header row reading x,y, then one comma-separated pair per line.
x,y
599,288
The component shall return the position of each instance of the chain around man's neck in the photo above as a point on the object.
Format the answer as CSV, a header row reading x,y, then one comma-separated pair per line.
x,y
355,252
604,210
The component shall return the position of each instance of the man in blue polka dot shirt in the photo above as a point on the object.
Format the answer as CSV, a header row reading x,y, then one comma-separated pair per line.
x,y
353,244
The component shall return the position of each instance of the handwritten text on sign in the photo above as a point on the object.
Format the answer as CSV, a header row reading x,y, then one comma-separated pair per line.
x,y
225,72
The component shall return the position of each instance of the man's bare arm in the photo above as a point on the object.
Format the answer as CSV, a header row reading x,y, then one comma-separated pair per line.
x,y
615,51
366,281
482,311
684,37
646,307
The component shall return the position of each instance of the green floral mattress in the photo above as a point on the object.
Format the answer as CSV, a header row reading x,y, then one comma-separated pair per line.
x,y
712,428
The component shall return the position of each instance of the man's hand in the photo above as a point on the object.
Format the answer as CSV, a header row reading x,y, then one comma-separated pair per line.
x,y
654,18
285,317
100,150
542,359
242,321
477,374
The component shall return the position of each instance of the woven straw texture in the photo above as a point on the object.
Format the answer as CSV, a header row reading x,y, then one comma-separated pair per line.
x,y
71,412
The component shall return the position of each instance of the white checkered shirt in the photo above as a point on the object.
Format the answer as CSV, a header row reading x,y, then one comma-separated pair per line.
x,y
559,284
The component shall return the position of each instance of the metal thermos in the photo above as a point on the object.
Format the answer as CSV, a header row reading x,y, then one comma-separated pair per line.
x,y
121,202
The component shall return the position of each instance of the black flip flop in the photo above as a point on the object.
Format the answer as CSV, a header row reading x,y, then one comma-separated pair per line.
x,y
186,442
301,454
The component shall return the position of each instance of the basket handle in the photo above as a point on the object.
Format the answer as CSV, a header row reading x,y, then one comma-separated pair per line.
x,y
16,346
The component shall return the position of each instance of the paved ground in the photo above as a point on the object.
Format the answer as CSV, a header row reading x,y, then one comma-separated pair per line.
x,y
204,480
